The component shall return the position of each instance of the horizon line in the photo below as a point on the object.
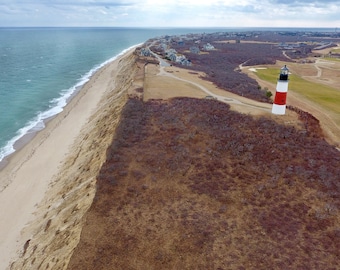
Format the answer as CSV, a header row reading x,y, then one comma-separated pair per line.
x,y
180,27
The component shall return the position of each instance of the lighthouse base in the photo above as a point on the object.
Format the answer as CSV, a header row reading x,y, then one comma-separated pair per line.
x,y
279,109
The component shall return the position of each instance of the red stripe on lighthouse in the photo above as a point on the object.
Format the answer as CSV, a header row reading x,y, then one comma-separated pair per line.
x,y
280,98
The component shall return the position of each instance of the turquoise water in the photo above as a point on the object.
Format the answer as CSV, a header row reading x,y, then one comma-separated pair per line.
x,y
41,67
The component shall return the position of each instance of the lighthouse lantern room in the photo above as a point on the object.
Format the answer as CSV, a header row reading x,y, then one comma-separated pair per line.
x,y
279,105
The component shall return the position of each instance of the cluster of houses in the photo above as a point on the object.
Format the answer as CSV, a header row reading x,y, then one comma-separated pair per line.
x,y
207,47
170,54
293,46
145,52
173,56
166,45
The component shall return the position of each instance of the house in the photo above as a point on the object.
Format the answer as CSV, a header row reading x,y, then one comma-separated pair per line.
x,y
208,47
163,46
171,54
185,62
194,49
180,43
145,52
173,57
180,58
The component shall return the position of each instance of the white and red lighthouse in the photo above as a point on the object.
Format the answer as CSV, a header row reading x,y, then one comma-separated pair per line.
x,y
279,105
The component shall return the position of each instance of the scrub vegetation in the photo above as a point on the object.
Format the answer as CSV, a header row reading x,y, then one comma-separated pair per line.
x,y
190,184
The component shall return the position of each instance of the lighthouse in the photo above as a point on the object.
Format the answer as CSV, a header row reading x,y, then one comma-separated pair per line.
x,y
279,105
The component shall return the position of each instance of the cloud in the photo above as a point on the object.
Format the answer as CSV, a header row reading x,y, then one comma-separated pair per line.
x,y
304,2
77,2
226,13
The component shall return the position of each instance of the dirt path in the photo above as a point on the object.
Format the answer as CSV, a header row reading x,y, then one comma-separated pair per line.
x,y
222,98
318,69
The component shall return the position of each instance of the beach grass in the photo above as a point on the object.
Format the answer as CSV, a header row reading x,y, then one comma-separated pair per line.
x,y
325,96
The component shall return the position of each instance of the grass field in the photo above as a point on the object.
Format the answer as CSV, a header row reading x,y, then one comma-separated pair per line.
x,y
335,50
332,59
325,96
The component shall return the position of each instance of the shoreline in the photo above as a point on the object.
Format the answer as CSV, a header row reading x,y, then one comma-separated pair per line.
x,y
30,171
22,142
29,136
41,120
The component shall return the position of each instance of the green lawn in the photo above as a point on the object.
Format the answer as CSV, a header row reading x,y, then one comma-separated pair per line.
x,y
325,96
335,51
332,59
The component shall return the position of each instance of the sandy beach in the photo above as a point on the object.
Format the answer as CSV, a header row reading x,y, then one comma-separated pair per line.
x,y
32,182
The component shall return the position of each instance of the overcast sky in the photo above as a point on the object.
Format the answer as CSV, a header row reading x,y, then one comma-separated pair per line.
x,y
171,13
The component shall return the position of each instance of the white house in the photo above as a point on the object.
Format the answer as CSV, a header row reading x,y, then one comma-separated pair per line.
x,y
208,47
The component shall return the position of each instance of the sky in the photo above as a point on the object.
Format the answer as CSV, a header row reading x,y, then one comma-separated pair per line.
x,y
171,13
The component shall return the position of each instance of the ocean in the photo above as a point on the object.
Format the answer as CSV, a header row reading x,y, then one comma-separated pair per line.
x,y
41,68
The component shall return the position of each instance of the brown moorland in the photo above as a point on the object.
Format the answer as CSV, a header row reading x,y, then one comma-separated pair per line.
x,y
190,184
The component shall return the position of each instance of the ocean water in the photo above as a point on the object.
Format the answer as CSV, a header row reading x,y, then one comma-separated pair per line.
x,y
40,68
